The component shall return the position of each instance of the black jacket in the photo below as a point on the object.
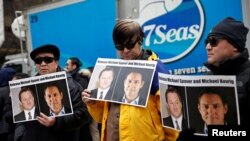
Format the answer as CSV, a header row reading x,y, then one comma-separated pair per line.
x,y
83,81
6,75
240,67
4,97
66,128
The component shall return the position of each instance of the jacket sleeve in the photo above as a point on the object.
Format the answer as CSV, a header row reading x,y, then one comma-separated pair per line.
x,y
96,110
160,67
80,116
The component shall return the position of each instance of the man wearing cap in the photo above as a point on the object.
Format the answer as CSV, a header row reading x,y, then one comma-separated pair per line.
x,y
64,128
228,55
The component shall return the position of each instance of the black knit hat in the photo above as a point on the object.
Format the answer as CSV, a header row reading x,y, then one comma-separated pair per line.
x,y
46,48
233,31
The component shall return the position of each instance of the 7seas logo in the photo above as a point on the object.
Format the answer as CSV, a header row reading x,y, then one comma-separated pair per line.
x,y
172,27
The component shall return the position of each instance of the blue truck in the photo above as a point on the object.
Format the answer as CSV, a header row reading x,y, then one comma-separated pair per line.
x,y
174,29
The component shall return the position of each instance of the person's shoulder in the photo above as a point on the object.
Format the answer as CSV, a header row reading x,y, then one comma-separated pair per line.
x,y
149,55
69,76
161,67
152,56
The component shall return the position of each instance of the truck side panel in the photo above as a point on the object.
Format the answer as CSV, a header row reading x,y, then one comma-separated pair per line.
x,y
82,29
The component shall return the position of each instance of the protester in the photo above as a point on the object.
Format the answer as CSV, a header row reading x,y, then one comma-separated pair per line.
x,y
73,66
126,122
227,55
63,128
6,75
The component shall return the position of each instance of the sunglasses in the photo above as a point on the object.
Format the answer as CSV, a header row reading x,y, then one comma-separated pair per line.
x,y
46,60
213,41
128,45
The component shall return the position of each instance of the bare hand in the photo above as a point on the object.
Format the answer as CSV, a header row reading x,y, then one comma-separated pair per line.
x,y
85,97
45,120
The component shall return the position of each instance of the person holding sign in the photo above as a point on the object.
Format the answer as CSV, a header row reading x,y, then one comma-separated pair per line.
x,y
64,128
228,55
126,122
174,105
27,100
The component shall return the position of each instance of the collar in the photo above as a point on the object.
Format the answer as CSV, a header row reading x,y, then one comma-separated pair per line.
x,y
179,120
147,55
32,112
74,72
135,102
105,91
62,112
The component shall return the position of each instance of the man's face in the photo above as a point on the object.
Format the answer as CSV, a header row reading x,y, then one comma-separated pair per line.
x,y
46,68
54,99
130,54
220,51
70,66
132,85
174,104
106,79
27,100
212,109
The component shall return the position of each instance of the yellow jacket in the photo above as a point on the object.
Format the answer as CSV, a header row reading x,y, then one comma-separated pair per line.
x,y
136,124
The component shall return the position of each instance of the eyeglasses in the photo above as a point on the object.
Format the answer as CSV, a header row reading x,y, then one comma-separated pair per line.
x,y
213,41
46,60
128,45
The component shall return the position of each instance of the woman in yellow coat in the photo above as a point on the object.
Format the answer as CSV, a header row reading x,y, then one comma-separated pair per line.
x,y
125,122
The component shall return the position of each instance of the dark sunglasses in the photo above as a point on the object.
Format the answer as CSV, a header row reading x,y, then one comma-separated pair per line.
x,y
46,60
213,41
128,45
